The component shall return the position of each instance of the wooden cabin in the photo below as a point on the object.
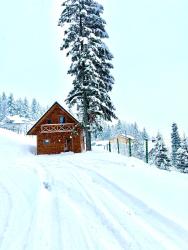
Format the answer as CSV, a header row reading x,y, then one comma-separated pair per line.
x,y
58,131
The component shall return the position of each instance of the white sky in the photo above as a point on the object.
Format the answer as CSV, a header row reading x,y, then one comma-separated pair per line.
x,y
149,42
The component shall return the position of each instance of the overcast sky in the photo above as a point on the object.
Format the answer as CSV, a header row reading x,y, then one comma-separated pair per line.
x,y
149,42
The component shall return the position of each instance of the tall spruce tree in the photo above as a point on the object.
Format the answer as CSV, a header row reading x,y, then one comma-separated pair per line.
x,y
25,112
175,142
84,31
182,156
145,135
160,153
11,106
119,128
3,108
138,144
19,106
35,108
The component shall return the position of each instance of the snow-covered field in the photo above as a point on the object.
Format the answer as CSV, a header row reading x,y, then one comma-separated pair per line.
x,y
89,201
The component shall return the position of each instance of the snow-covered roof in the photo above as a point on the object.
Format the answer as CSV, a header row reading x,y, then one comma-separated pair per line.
x,y
122,137
16,119
126,136
129,136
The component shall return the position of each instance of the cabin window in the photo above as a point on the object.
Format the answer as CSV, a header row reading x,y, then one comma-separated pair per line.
x,y
61,119
46,141
49,121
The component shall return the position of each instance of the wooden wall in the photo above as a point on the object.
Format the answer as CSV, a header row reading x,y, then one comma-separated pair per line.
x,y
58,141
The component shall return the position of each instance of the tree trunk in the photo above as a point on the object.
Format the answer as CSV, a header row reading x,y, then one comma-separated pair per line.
x,y
85,100
88,139
86,123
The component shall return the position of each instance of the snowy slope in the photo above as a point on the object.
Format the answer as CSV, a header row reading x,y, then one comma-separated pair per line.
x,y
88,201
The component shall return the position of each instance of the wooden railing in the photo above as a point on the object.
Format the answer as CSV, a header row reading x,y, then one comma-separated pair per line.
x,y
54,128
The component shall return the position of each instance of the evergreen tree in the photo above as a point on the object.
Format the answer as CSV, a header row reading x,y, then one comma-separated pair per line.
x,y
3,107
90,66
105,134
182,156
175,140
145,135
25,112
161,159
19,106
138,144
119,128
11,108
35,110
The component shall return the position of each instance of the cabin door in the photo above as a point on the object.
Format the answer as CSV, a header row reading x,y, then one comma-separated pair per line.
x,y
68,145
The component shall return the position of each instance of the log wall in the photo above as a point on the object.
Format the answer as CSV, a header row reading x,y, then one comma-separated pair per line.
x,y
55,142
59,143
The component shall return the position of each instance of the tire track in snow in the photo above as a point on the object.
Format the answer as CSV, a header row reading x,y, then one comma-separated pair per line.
x,y
74,236
85,202
44,231
18,197
7,198
57,231
69,230
108,215
151,221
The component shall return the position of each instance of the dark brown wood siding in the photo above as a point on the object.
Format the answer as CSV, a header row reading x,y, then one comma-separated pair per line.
x,y
59,143
53,142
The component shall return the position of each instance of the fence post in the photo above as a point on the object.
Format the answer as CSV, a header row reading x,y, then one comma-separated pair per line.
x,y
130,151
118,145
109,146
146,150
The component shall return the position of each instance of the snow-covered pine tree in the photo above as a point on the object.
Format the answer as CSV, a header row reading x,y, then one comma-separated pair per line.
x,y
35,110
119,128
3,106
11,108
19,106
145,138
182,156
84,31
175,142
138,143
160,153
1,109
105,134
145,135
25,112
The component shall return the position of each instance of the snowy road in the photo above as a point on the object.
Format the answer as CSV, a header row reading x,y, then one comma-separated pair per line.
x,y
87,202
94,209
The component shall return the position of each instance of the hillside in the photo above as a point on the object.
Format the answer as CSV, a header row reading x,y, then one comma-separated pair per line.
x,y
89,201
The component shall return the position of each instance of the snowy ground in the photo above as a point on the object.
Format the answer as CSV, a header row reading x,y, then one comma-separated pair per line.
x,y
88,201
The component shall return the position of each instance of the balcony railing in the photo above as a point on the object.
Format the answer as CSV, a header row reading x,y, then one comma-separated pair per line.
x,y
54,128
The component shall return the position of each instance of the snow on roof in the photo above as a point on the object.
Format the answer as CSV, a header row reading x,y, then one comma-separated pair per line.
x,y
126,136
130,137
16,119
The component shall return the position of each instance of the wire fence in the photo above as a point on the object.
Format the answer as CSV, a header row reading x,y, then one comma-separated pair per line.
x,y
126,146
